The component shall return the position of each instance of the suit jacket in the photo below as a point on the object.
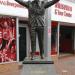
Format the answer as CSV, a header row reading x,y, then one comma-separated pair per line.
x,y
36,11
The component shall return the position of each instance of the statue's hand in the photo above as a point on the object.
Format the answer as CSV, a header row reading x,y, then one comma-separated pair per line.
x,y
42,11
37,11
32,10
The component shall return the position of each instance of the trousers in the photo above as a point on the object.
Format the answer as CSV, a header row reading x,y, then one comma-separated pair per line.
x,y
40,33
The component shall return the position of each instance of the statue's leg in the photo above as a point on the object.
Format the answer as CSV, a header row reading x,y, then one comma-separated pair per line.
x,y
40,32
33,41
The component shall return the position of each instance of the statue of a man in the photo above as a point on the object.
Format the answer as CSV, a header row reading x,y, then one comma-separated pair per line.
x,y
36,10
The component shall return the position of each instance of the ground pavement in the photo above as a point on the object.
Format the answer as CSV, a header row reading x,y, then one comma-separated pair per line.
x,y
63,66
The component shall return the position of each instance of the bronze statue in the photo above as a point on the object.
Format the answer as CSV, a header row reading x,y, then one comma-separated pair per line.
x,y
36,10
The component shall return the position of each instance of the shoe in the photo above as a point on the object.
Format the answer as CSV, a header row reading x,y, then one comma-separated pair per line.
x,y
42,57
32,55
31,58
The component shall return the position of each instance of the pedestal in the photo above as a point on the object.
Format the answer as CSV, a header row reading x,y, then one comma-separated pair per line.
x,y
38,69
37,60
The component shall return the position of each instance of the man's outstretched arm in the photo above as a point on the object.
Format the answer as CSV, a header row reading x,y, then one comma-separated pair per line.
x,y
23,3
50,3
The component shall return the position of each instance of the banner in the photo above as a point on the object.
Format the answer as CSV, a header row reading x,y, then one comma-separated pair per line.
x,y
12,8
7,39
63,11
